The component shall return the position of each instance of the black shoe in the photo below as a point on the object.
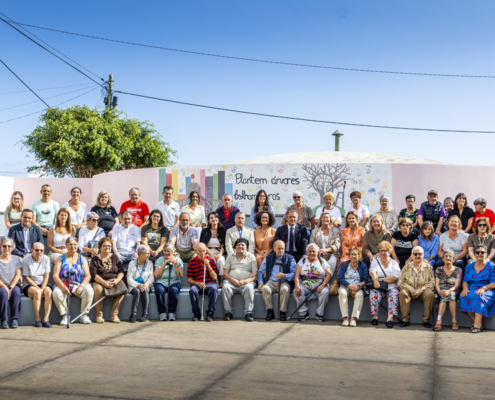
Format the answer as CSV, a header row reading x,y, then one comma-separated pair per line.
x,y
228,316
195,318
144,318
374,321
390,324
403,324
209,318
132,319
426,324
302,318
269,315
249,317
320,318
283,316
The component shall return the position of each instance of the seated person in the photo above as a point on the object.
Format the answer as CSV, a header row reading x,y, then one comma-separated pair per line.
x,y
410,212
482,211
327,238
294,236
239,231
213,236
429,242
328,207
478,295
416,282
432,210
481,236
89,236
139,281
59,233
227,212
312,272
155,234
280,269
125,240
454,239
139,209
261,203
352,235
372,238
184,238
403,241
240,274
36,272
25,234
10,292
264,235
389,217
202,276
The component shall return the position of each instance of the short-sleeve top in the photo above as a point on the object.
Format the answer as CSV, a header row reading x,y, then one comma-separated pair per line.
x,y
361,212
312,273
196,216
412,216
105,269
79,216
154,236
392,269
403,245
107,217
8,269
163,280
488,241
480,279
304,216
456,244
447,282
14,217
467,214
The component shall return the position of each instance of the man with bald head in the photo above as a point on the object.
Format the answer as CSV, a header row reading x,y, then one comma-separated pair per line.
x,y
227,212
202,276
279,267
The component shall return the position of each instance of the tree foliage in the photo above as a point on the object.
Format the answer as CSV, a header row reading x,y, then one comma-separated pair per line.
x,y
80,142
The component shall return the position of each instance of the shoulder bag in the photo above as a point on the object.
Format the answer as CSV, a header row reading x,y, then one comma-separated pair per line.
x,y
93,244
334,286
370,285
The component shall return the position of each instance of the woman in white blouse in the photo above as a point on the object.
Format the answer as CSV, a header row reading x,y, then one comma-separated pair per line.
x,y
361,210
389,217
139,280
58,234
196,211
77,209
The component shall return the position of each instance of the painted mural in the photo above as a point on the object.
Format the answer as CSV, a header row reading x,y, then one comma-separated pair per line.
x,y
279,181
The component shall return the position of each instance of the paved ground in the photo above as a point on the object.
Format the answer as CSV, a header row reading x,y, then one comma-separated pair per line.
x,y
240,360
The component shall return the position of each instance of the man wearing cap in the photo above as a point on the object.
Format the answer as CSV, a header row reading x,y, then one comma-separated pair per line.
x,y
482,211
432,210
240,272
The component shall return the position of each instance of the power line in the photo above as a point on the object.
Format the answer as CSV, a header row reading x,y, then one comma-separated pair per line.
x,y
34,41
37,112
302,119
24,83
41,40
53,88
261,61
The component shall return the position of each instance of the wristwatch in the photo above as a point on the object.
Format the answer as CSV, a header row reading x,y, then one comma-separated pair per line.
x,y
10,288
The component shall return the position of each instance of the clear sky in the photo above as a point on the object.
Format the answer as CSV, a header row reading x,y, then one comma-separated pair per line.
x,y
450,37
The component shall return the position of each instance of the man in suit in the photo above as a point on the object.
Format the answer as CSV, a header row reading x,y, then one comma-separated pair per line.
x,y
239,231
227,212
25,234
294,236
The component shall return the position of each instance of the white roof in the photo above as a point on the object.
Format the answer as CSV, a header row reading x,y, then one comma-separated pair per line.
x,y
336,157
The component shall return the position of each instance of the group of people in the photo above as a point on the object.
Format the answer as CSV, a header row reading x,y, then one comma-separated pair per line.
x,y
349,253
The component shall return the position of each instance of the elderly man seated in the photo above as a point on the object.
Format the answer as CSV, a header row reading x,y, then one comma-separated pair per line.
x,y
36,272
239,231
240,273
202,276
416,282
184,238
25,234
125,240
280,269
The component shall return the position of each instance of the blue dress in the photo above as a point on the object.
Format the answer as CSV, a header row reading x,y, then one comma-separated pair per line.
x,y
483,305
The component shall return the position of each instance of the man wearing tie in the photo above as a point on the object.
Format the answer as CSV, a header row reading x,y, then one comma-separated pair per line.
x,y
277,261
25,234
239,231
294,236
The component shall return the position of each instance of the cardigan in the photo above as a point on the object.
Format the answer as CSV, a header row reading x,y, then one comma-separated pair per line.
x,y
362,270
333,240
134,272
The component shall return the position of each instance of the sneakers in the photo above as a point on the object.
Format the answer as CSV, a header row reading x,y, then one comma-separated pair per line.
x,y
14,324
304,317
171,316
163,316
209,318
228,316
353,323
132,319
47,324
320,318
85,320
249,317
283,316
5,325
195,318
38,324
345,322
144,318
269,315
64,320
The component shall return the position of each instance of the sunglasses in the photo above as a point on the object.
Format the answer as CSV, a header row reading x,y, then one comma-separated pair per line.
x,y
417,254
480,252
37,249
297,197
482,225
383,251
6,246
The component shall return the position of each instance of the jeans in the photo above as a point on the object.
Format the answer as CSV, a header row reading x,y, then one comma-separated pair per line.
x,y
212,292
15,303
173,294
145,298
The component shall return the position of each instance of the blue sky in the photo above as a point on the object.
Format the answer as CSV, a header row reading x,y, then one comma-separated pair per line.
x,y
450,37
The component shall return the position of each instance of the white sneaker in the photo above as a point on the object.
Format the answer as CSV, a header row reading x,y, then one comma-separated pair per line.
x,y
171,317
85,320
353,323
345,322
64,320
163,317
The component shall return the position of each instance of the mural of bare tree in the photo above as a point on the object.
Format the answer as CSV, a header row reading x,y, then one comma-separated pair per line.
x,y
326,177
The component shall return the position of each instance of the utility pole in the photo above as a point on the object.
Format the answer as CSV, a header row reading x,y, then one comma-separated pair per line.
x,y
110,100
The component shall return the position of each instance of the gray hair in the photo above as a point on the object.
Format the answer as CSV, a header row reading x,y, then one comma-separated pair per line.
x,y
297,193
292,211
384,196
170,247
225,195
134,188
91,215
142,248
449,251
11,241
313,245
124,213
240,213
481,201
418,248
182,213
480,246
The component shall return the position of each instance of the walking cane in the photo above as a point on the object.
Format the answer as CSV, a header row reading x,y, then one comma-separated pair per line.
x,y
279,263
170,266
87,310
68,297
304,302
203,302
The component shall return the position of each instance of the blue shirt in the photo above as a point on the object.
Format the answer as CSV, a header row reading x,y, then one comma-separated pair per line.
x,y
273,275
430,247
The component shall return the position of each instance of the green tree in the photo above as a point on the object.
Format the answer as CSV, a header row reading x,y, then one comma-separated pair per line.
x,y
80,142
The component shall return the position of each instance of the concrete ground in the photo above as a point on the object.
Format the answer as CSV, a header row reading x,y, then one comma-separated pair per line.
x,y
241,360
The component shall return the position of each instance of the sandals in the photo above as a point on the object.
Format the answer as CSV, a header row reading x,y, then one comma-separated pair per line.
x,y
455,327
475,330
438,327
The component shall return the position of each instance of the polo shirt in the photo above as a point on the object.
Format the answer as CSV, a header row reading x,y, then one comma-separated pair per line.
x,y
126,238
196,269
138,211
169,213
241,269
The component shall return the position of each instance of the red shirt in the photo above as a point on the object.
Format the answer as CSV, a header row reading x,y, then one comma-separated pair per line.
x,y
196,269
488,214
138,211
226,213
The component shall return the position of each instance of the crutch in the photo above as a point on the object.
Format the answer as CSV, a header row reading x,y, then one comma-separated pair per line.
x,y
68,297
170,266
85,311
279,263
203,303
304,302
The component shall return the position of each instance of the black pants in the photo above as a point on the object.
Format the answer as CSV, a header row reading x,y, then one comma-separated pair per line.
x,y
145,298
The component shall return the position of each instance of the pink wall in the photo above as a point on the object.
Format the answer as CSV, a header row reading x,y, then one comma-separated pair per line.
x,y
447,180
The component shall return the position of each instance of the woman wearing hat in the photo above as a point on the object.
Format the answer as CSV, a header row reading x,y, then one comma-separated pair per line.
x,y
361,210
388,214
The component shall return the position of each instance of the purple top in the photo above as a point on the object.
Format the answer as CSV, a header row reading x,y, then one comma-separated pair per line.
x,y
442,211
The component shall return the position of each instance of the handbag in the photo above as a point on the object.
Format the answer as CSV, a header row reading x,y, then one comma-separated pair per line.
x,y
93,244
334,286
370,285
117,290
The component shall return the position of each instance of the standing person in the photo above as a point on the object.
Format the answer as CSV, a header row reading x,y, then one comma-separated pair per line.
x,y
411,212
58,234
432,210
429,242
303,212
125,240
13,211
45,212
294,236
463,211
184,238
239,231
227,212
10,292
197,216
327,238
77,209
456,240
389,217
376,235
170,209
328,207
351,236
213,236
89,237
264,235
202,269
25,234
261,203
403,242
362,212
482,211
481,236
155,235
107,213
138,209
139,280
36,272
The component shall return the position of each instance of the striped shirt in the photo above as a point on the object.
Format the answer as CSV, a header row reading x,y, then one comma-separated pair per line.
x,y
423,279
183,241
196,268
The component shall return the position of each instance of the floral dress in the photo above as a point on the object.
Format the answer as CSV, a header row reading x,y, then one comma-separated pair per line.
x,y
76,270
312,273
484,304
447,282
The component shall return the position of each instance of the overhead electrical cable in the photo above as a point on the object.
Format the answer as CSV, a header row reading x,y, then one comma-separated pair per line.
x,y
53,88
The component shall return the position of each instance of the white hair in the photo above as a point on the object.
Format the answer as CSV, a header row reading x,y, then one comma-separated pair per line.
x,y
297,193
418,248
313,245
142,248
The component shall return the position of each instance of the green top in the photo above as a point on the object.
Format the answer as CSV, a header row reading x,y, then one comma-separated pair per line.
x,y
13,216
45,213
173,275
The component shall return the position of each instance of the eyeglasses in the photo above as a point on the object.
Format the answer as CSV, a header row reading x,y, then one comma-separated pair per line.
x,y
6,246
297,197
37,249
417,254
383,251
480,252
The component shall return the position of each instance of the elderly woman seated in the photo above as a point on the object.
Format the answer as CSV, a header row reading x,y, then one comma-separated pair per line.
x,y
106,272
453,239
10,292
139,280
478,295
447,282
482,236
327,239
384,269
312,272
352,277
416,282
372,238
89,237
388,214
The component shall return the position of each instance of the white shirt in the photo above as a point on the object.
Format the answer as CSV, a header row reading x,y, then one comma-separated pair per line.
x,y
288,237
85,235
393,269
126,238
27,242
79,216
361,212
334,212
35,270
169,213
